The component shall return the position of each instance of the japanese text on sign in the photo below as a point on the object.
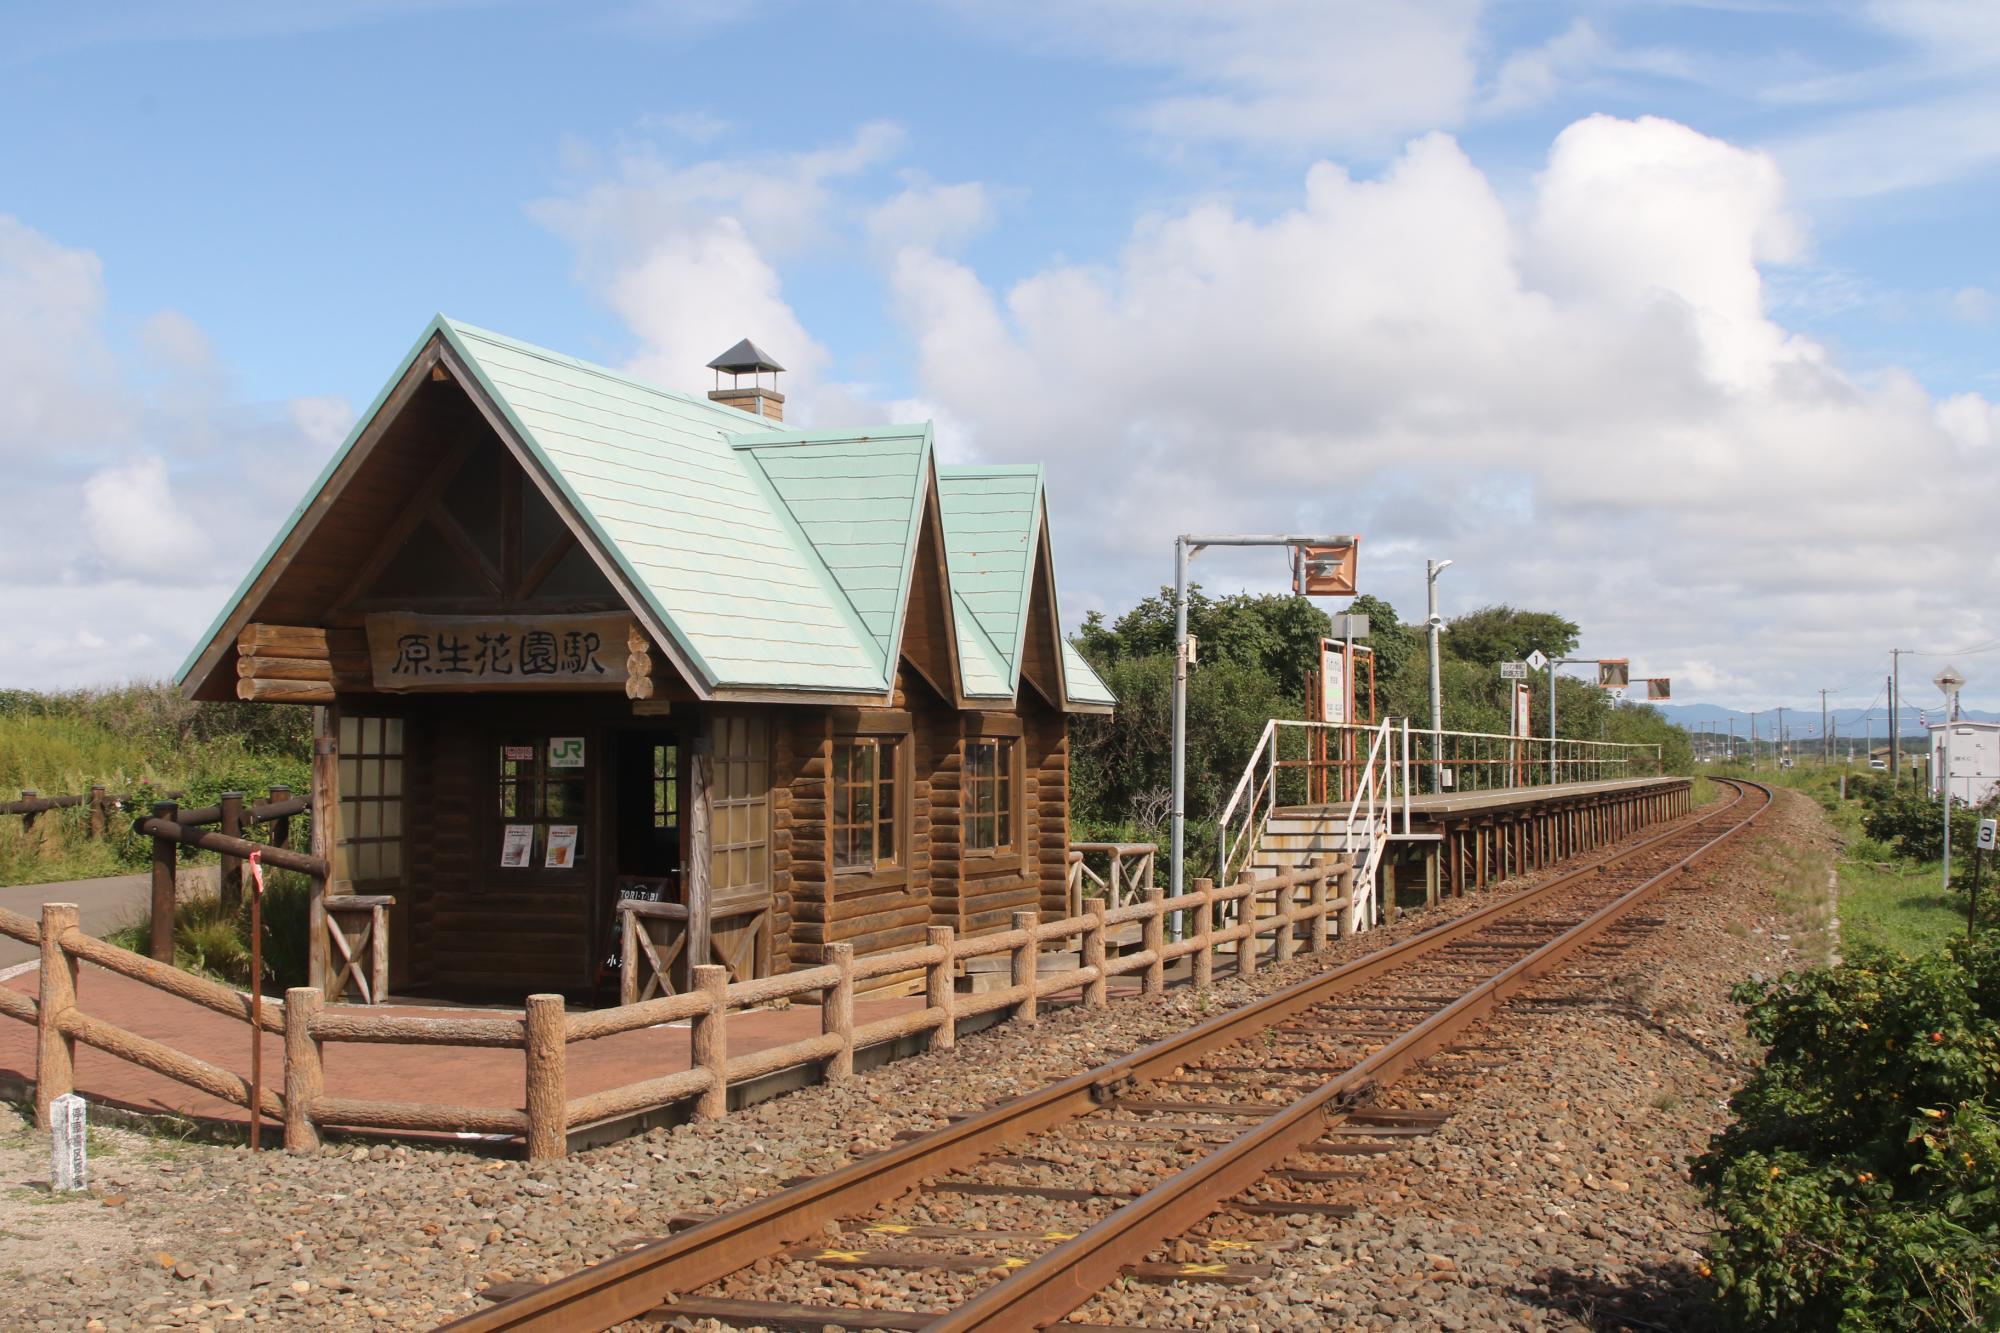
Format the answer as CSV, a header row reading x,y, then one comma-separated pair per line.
x,y
409,652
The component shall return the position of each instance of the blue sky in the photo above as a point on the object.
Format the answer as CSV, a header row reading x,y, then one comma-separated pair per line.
x,y
1678,317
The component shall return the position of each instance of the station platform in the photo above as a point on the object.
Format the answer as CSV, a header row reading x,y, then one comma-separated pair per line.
x,y
1457,842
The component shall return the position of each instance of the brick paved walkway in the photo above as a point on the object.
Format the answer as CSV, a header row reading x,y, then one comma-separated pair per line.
x,y
450,1075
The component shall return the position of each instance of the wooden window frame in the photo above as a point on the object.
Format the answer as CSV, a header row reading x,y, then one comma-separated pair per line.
x,y
353,761
584,868
890,727
1006,739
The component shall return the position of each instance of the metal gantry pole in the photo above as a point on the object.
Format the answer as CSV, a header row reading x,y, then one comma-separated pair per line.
x,y
1177,858
1186,547
1433,568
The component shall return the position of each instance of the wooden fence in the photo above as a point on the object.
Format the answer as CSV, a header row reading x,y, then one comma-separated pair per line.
x,y
1291,912
1128,872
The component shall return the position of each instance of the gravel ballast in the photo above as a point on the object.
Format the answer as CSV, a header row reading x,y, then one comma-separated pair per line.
x,y
1559,1179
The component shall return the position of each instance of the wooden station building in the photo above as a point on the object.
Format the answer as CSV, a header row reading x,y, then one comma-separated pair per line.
x,y
576,637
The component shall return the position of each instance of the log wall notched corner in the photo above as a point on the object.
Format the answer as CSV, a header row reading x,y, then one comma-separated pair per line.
x,y
284,664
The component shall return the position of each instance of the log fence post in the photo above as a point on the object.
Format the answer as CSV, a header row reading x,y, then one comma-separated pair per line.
x,y
1286,943
1154,941
1025,965
836,1012
1316,925
166,865
229,878
305,1077
55,1050
1204,933
1096,991
281,827
628,958
939,989
98,801
1246,947
708,1040
548,1097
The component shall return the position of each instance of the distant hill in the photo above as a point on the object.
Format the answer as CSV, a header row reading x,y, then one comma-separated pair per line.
x,y
1803,722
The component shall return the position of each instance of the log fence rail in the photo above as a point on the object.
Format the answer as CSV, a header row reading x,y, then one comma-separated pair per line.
x,y
1274,918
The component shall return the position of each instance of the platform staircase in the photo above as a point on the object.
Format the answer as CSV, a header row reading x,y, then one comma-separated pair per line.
x,y
1271,826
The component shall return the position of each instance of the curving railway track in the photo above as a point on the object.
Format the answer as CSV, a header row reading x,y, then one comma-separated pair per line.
x,y
1015,1216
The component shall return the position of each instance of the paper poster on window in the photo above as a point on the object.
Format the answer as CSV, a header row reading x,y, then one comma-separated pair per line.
x,y
562,847
519,754
516,845
565,752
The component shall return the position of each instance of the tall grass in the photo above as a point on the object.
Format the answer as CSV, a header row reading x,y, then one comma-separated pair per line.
x,y
139,741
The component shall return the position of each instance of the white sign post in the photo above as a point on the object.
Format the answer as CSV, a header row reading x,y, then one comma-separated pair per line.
x,y
69,1147
1513,671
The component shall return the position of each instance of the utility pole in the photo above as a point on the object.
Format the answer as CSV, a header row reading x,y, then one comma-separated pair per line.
x,y
1753,741
1732,738
1896,715
1824,756
1781,735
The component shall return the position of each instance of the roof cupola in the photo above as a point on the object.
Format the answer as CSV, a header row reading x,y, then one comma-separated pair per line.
x,y
746,358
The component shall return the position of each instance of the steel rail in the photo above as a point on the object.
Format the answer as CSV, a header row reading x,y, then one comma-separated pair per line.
x,y
1063,1278
630,1284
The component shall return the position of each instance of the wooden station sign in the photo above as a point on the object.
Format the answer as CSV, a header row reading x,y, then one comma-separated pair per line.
x,y
497,653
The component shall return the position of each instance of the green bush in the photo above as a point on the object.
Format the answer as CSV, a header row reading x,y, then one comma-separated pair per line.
x,y
1859,1184
216,943
1912,821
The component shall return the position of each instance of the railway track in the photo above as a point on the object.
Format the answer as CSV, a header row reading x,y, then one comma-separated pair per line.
x,y
1015,1216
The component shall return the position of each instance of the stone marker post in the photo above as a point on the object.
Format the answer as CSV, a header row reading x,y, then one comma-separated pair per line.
x,y
69,1164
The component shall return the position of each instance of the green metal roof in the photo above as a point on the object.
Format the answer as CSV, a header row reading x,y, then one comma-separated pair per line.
x,y
774,560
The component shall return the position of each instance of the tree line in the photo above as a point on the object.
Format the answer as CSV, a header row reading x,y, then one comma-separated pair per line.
x,y
1256,654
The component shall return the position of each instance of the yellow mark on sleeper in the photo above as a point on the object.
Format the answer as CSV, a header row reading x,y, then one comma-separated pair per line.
x,y
843,1256
1204,1270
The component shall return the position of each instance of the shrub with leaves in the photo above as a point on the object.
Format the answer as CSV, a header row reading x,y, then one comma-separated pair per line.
x,y
1860,1182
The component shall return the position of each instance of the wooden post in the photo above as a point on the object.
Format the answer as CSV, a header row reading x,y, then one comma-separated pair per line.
x,y
166,859
1025,964
548,1098
1246,948
1348,873
98,802
325,841
1285,944
55,1050
378,954
701,824
1096,991
281,827
628,958
229,881
939,990
708,1038
1154,940
836,1011
1204,931
305,1077
1316,927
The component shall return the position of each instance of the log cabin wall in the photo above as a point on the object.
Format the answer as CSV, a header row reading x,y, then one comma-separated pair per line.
x,y
1047,761
884,904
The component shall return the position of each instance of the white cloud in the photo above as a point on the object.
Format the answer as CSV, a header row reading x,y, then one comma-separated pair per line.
x,y
686,254
1530,77
136,524
930,215
1584,400
140,483
1314,74
1972,305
